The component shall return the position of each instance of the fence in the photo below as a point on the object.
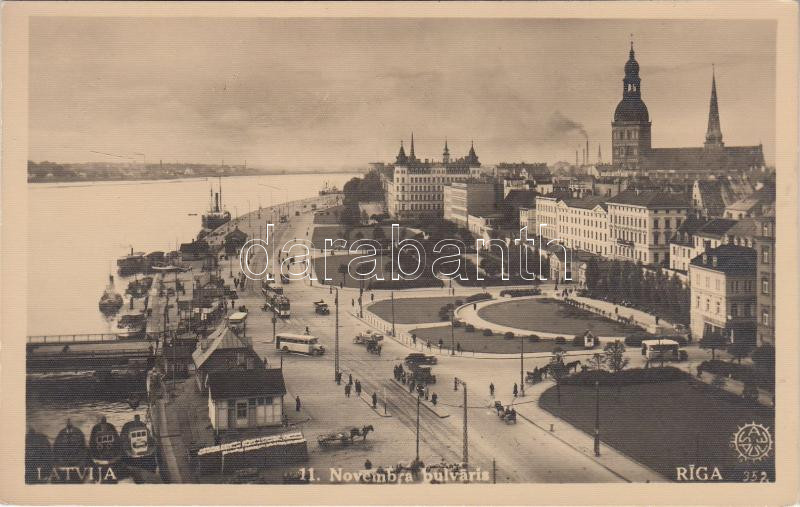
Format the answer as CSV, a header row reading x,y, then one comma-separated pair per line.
x,y
87,338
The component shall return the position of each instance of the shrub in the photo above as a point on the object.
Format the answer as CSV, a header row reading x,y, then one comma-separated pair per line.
x,y
487,332
577,340
561,340
534,338
515,293
635,340
626,377
478,297
469,328
508,335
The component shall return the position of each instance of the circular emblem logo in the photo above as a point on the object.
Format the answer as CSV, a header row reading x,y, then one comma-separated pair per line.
x,y
752,442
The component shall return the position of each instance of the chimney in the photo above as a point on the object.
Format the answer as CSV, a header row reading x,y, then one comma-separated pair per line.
x,y
586,156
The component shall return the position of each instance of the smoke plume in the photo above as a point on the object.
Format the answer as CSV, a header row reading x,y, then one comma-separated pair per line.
x,y
559,125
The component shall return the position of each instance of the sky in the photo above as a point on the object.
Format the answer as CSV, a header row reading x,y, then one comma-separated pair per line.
x,y
338,93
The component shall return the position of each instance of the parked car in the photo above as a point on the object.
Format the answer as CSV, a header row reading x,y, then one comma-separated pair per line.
x,y
420,358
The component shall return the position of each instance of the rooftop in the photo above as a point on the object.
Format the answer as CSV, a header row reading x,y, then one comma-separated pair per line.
x,y
730,259
247,383
716,227
650,199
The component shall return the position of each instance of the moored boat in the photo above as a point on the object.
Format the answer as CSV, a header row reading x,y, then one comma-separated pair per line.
x,y
131,325
110,301
131,264
140,287
104,443
138,444
38,457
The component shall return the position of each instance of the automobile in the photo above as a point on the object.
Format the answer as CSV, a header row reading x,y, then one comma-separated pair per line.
x,y
321,308
419,358
367,336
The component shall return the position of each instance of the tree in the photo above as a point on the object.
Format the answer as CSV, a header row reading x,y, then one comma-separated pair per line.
x,y
614,356
712,340
592,274
764,359
740,349
557,369
596,361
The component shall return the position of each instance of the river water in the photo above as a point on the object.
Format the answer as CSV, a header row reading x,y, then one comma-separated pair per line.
x,y
76,233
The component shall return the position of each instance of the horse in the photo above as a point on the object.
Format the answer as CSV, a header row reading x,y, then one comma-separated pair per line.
x,y
362,432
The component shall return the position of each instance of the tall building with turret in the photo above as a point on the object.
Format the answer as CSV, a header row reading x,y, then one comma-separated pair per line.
x,y
415,188
631,140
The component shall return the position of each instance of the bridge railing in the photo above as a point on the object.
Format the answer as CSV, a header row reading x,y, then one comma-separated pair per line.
x,y
84,338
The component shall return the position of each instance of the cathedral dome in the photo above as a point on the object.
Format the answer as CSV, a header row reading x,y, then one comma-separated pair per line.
x,y
631,109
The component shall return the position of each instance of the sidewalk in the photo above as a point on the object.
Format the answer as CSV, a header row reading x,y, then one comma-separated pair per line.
x,y
620,464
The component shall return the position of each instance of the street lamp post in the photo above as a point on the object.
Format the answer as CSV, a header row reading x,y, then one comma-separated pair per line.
x,y
452,332
465,450
418,402
336,341
597,419
522,366
393,330
274,323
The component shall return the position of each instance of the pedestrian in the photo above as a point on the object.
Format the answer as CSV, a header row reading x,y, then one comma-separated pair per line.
x,y
350,378
358,388
657,320
414,338
372,297
297,404
368,465
307,331
441,343
458,347
455,383
411,386
374,401
353,302
426,392
516,390
474,306
330,289
347,390
429,345
131,302
491,389
434,399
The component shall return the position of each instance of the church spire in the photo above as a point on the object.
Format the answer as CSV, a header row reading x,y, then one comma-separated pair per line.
x,y
411,153
446,153
401,155
714,132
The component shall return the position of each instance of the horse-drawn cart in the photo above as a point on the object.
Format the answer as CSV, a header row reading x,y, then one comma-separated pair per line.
x,y
367,336
344,437
506,414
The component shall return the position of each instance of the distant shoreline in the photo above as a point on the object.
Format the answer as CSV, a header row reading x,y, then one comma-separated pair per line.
x,y
166,179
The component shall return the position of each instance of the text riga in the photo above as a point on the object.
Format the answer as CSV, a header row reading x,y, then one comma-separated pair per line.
x,y
447,265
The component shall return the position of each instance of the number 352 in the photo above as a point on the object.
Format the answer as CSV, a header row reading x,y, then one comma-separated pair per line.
x,y
755,476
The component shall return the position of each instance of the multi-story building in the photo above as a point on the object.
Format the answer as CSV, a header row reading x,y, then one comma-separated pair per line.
x,y
710,235
682,244
723,292
765,297
583,224
465,198
642,223
415,188
546,218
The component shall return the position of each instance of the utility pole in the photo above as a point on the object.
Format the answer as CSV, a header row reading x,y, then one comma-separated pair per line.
x,y
522,365
452,332
465,456
274,323
597,419
418,401
336,342
393,330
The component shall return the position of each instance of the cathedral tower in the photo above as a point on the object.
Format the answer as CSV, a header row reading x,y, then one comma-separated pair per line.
x,y
630,130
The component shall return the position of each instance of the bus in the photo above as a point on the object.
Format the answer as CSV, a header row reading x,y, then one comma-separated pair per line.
x,y
661,349
303,343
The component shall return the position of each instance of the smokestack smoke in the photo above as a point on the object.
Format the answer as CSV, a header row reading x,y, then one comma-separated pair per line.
x,y
559,125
